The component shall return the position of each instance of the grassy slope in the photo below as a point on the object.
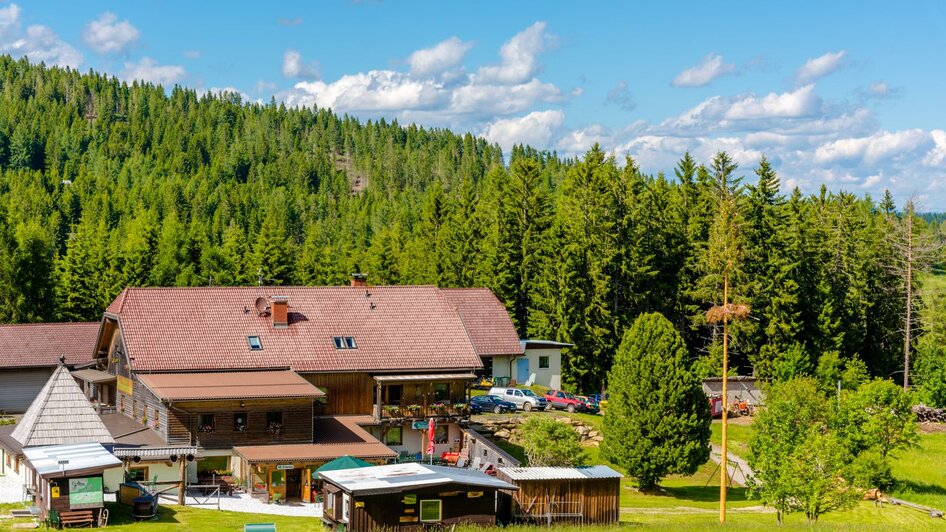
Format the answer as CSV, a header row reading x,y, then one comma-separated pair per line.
x,y
921,473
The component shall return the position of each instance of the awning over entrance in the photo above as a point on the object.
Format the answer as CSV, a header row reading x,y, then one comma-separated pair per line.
x,y
312,452
432,377
229,385
93,376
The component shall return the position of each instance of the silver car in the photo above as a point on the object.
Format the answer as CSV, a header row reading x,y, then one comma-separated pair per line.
x,y
523,398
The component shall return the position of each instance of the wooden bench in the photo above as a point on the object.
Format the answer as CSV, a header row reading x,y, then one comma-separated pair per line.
x,y
76,518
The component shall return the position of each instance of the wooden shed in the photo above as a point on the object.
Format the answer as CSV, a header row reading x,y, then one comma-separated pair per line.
x,y
68,478
409,496
579,494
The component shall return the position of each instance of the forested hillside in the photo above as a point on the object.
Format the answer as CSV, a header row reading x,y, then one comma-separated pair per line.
x,y
106,185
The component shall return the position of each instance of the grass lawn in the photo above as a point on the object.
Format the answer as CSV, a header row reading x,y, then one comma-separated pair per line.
x,y
737,434
920,472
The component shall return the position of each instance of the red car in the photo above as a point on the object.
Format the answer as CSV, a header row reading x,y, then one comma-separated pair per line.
x,y
565,401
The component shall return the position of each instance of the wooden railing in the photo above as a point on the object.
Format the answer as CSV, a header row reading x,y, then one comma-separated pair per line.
x,y
421,411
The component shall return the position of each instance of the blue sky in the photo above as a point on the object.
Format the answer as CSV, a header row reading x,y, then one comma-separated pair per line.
x,y
850,94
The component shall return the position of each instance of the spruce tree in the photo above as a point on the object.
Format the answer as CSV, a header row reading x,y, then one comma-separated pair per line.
x,y
658,420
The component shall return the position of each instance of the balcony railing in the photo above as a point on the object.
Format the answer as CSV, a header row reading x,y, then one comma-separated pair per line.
x,y
417,411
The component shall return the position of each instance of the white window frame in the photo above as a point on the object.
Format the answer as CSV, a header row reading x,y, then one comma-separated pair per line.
x,y
259,343
420,510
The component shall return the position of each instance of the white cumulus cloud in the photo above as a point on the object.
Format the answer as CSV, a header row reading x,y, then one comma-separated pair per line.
x,y
294,67
711,67
819,67
107,34
39,43
875,148
149,71
442,56
535,128
519,57
798,103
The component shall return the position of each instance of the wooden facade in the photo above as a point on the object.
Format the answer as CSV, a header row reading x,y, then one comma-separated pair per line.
x,y
420,399
401,511
589,500
296,425
349,394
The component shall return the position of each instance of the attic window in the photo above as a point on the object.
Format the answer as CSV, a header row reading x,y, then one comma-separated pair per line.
x,y
255,343
344,342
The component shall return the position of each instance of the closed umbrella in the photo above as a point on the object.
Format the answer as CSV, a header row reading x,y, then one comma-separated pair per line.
x,y
430,438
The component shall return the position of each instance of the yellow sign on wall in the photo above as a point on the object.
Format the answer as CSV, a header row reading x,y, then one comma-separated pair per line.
x,y
126,386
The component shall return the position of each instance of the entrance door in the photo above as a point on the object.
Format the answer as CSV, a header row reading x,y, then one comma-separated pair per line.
x,y
522,370
294,483
277,484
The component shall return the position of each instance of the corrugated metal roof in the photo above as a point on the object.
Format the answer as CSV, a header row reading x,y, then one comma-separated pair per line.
x,y
425,378
156,452
80,457
542,344
559,473
229,385
399,477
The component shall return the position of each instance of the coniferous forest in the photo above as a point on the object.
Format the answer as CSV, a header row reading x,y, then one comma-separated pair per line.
x,y
105,185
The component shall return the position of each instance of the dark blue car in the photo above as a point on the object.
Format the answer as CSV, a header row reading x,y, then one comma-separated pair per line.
x,y
490,403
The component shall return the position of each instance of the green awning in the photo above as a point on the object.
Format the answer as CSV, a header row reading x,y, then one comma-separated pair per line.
x,y
343,462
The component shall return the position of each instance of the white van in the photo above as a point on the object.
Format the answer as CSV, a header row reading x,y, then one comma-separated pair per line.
x,y
523,398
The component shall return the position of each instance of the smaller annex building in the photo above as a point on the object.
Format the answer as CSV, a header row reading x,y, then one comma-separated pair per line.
x,y
577,494
408,496
30,352
69,480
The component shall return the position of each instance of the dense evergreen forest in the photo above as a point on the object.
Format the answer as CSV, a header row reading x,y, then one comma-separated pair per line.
x,y
105,185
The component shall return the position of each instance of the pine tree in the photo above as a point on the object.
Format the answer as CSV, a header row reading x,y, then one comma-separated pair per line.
x,y
658,421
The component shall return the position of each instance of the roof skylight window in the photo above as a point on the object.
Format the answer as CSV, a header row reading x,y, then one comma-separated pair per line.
x,y
344,342
255,343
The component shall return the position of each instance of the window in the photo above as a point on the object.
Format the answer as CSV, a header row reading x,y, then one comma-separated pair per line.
x,y
239,421
441,391
138,474
394,394
544,362
518,393
394,436
255,343
344,342
274,422
430,510
441,435
206,423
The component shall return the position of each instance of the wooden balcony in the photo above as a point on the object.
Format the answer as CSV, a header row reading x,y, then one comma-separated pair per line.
x,y
421,411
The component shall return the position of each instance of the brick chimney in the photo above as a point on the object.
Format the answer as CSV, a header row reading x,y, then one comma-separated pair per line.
x,y
280,312
359,279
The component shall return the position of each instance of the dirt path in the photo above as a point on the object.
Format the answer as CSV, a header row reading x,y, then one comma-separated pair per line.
x,y
738,469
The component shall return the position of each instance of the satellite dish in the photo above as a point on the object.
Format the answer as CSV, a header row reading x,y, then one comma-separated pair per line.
x,y
261,306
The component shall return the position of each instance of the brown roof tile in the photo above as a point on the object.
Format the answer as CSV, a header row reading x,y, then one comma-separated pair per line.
x,y
395,328
486,320
229,385
41,344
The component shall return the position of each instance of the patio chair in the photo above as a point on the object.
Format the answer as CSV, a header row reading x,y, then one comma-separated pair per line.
x,y
52,520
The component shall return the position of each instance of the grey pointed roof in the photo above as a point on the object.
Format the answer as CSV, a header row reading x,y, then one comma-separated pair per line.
x,y
60,415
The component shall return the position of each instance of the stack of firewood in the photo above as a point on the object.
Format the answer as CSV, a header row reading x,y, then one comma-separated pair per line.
x,y
925,414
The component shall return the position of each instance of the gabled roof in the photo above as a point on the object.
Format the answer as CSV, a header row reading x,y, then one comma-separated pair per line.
x,y
486,321
395,328
41,344
59,415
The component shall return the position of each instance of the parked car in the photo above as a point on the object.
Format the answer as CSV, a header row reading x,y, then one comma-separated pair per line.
x,y
590,403
490,403
523,398
565,401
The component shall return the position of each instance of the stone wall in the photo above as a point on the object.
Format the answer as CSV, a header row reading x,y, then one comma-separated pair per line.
x,y
508,429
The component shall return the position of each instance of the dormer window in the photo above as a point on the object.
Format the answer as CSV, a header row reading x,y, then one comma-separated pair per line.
x,y
344,342
255,343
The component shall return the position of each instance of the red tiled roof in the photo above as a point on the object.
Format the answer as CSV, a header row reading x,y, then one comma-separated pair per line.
x,y
408,328
229,385
41,344
486,320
